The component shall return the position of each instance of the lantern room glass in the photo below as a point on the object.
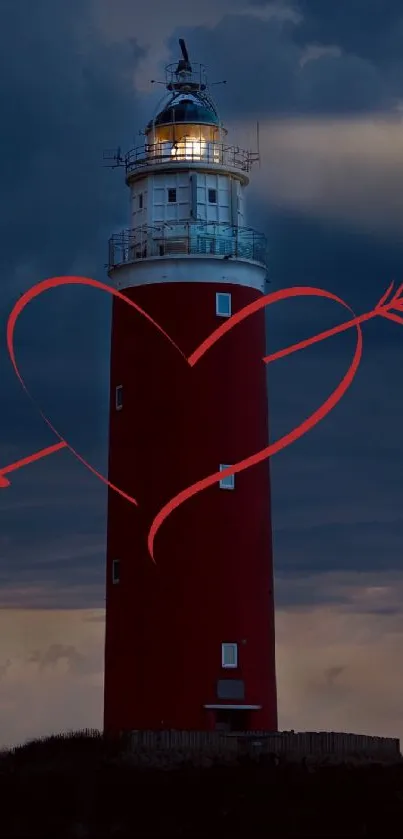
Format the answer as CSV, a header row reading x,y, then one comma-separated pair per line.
x,y
185,141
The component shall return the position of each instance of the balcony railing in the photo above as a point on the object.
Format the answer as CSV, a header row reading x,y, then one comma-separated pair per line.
x,y
181,238
163,153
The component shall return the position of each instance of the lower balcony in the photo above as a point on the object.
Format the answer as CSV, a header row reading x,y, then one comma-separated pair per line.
x,y
183,238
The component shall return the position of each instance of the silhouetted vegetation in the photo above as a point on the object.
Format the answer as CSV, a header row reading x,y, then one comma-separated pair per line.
x,y
84,785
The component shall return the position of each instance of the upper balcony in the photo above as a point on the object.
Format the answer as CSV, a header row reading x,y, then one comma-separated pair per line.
x,y
193,151
175,239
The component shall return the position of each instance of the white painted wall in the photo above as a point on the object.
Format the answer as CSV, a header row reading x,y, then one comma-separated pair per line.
x,y
192,199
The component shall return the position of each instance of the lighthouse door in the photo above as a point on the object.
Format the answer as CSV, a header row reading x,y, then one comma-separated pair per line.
x,y
236,719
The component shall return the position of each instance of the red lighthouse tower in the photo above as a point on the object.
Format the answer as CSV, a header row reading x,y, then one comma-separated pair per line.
x,y
190,638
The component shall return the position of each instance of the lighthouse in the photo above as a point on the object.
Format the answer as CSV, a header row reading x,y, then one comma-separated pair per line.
x,y
190,637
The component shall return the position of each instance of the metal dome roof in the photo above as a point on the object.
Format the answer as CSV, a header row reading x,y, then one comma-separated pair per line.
x,y
186,110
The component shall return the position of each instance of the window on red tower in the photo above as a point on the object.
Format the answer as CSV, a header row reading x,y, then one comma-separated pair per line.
x,y
223,304
116,571
229,655
119,397
229,481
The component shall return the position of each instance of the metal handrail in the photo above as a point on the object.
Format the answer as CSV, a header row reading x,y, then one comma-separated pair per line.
x,y
156,154
181,238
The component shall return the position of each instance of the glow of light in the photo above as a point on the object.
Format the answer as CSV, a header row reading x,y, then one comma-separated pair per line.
x,y
190,148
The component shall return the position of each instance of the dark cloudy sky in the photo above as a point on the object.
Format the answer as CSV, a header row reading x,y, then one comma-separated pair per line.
x,y
325,81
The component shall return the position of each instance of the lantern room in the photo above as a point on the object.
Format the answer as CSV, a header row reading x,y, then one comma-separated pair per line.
x,y
188,126
186,129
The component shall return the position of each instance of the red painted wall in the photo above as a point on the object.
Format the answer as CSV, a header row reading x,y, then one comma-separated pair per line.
x,y
213,578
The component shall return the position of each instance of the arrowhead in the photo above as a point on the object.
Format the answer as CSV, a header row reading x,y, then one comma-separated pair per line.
x,y
4,482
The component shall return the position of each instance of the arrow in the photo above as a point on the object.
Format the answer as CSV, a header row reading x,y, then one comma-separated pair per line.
x,y
4,482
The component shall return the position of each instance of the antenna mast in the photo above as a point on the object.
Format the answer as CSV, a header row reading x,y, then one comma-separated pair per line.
x,y
184,64
258,141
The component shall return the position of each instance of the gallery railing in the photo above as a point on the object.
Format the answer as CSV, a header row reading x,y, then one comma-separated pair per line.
x,y
181,238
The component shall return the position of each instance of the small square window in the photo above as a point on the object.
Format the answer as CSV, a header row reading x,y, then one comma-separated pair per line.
x,y
223,305
229,655
172,196
212,196
140,201
116,571
229,481
119,397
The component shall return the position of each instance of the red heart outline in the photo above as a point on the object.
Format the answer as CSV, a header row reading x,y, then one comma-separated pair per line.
x,y
266,300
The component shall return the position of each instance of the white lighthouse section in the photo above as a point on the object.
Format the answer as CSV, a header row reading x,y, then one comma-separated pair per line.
x,y
187,198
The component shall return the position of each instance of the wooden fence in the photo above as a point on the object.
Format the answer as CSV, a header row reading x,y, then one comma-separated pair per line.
x,y
180,745
263,742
